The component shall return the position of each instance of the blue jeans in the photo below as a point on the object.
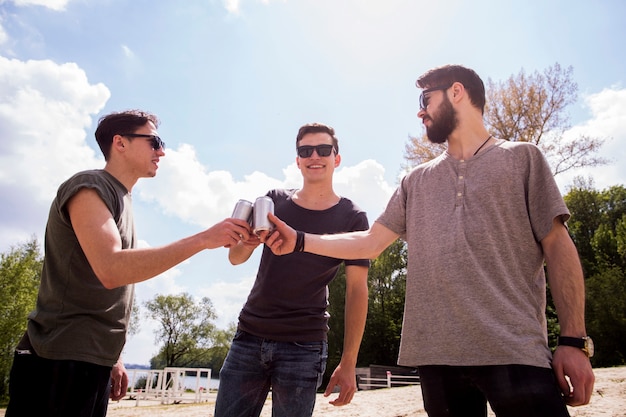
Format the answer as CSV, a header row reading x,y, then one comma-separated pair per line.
x,y
293,371
512,391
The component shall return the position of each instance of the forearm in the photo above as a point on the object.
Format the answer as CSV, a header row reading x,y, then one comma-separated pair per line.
x,y
129,266
355,315
240,253
366,244
567,285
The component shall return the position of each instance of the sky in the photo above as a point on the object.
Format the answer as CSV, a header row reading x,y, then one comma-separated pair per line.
x,y
233,80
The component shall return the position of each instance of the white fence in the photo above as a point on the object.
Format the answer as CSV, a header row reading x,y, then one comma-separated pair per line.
x,y
390,381
168,385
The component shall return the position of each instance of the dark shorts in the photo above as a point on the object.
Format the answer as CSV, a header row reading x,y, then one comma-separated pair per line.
x,y
54,388
511,390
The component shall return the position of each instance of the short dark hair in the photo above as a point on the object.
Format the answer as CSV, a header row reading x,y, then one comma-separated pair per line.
x,y
318,128
112,124
449,74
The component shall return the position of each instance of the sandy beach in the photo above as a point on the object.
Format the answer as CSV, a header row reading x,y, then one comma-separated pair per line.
x,y
608,400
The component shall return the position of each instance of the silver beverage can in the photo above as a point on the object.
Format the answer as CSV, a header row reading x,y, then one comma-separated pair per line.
x,y
260,222
243,210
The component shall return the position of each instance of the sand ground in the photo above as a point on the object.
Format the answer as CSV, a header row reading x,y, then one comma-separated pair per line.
x,y
608,400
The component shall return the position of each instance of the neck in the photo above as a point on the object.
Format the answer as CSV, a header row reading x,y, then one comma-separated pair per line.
x,y
316,197
464,145
127,180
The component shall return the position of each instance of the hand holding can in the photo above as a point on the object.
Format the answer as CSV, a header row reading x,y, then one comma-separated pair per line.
x,y
260,221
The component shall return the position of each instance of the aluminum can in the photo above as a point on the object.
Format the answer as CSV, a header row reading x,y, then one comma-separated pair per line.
x,y
243,210
260,222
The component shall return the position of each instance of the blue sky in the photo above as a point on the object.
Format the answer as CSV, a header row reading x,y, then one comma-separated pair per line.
x,y
232,81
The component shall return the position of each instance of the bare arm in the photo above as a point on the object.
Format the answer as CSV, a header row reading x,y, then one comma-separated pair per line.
x,y
567,287
241,252
99,238
367,244
344,375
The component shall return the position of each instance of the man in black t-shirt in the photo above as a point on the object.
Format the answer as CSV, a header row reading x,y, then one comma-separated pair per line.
x,y
281,340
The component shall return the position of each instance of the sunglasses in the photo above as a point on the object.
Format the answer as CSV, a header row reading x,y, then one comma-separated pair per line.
x,y
424,99
305,151
155,141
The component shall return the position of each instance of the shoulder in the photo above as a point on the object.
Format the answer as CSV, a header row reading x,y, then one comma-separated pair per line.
x,y
280,193
349,205
520,148
110,190
93,178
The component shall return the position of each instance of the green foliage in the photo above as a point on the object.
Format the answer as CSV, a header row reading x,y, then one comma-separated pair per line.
x,y
381,340
20,274
387,287
606,316
187,331
598,227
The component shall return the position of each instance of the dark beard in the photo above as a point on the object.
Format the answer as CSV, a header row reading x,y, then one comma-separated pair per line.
x,y
446,122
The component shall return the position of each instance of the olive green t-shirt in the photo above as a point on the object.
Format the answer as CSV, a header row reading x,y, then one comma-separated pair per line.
x,y
76,317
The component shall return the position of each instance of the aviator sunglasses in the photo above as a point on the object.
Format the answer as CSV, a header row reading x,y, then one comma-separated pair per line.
x,y
305,151
155,141
424,98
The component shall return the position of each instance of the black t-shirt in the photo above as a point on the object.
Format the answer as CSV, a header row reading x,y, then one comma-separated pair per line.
x,y
289,298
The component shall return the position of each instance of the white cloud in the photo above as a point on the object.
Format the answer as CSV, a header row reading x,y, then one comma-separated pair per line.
x,y
608,121
45,109
128,53
232,6
199,196
58,5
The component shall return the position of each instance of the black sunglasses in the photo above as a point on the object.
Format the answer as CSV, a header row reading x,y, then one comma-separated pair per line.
x,y
424,99
305,151
155,141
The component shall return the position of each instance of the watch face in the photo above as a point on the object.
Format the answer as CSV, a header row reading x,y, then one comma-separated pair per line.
x,y
589,348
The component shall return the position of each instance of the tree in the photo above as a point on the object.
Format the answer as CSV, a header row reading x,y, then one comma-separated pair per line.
x,y
186,331
20,274
598,227
529,108
532,108
386,286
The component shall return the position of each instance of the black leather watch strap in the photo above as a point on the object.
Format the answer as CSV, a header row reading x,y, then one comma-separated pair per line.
x,y
578,342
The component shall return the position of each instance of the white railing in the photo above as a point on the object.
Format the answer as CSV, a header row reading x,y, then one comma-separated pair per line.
x,y
390,381
167,385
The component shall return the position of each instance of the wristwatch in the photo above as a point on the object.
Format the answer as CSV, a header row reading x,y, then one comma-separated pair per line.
x,y
583,343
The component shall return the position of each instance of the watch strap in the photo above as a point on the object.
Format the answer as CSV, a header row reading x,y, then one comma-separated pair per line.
x,y
578,342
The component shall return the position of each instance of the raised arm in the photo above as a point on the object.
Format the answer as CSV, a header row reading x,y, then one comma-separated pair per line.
x,y
367,244
567,287
99,238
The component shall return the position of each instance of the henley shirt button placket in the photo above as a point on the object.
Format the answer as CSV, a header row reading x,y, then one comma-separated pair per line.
x,y
460,183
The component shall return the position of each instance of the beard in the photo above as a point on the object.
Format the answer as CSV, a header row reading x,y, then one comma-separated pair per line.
x,y
446,122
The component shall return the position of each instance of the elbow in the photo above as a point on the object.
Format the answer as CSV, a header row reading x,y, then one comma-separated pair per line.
x,y
108,280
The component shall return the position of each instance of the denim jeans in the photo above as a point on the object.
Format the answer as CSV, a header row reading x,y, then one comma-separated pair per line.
x,y
512,391
254,365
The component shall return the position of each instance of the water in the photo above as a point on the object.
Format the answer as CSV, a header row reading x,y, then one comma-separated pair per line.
x,y
189,381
